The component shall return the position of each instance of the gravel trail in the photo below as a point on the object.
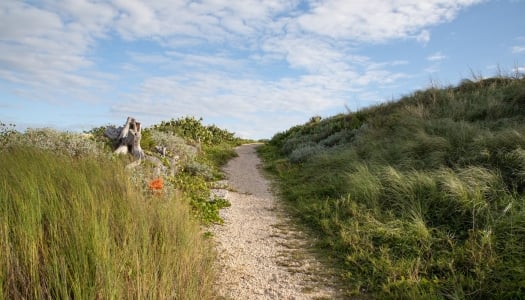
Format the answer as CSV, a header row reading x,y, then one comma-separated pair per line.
x,y
261,253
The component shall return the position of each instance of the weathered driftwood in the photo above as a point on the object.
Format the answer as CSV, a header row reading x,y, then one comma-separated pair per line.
x,y
127,138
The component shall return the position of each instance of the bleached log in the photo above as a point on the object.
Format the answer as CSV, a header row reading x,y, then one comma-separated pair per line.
x,y
127,138
112,132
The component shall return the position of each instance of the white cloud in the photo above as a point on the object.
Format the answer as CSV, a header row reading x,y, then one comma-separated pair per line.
x,y
218,95
434,68
251,108
59,35
46,49
518,49
209,20
519,70
438,56
203,56
435,59
423,36
221,60
20,20
308,53
377,20
89,18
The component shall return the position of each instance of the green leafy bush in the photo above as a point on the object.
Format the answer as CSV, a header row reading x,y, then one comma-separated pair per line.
x,y
191,128
196,188
200,151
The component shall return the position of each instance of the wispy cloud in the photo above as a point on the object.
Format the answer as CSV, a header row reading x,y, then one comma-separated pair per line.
x,y
518,49
435,59
39,48
378,21
438,56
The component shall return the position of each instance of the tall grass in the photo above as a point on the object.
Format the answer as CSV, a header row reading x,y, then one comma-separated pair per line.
x,y
422,198
76,228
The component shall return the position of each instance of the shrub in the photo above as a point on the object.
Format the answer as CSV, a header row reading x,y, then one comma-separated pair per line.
x,y
71,144
7,131
174,144
337,138
191,128
196,168
304,152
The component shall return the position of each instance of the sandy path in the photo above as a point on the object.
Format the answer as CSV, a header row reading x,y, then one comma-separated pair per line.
x,y
261,254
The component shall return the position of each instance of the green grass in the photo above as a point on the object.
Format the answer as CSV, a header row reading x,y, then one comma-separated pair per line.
x,y
199,152
422,198
218,155
77,228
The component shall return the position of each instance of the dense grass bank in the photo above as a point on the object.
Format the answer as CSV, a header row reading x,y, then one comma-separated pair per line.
x,y
422,198
78,228
77,223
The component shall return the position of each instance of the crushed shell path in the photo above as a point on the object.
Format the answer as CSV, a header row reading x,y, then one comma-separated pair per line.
x,y
260,253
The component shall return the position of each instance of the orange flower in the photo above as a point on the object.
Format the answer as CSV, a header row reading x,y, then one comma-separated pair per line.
x,y
156,184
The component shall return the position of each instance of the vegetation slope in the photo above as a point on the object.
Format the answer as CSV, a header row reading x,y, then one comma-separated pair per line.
x,y
421,198
76,224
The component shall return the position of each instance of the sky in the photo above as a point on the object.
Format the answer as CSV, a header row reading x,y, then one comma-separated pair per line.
x,y
253,67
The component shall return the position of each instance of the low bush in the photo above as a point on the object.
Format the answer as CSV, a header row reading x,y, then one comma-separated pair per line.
x,y
304,152
71,144
196,168
192,128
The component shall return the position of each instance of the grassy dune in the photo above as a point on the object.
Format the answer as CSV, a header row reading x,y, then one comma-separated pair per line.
x,y
422,198
77,228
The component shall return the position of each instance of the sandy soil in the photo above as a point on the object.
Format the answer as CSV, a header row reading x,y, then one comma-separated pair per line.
x,y
262,255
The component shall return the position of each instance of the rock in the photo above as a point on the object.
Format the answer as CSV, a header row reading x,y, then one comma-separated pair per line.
x,y
161,150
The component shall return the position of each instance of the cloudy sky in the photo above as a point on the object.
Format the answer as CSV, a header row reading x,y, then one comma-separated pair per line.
x,y
254,67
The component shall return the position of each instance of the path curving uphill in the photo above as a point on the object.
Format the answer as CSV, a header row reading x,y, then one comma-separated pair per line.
x,y
261,255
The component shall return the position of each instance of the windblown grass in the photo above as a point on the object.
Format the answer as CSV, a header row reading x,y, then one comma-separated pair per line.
x,y
77,228
423,198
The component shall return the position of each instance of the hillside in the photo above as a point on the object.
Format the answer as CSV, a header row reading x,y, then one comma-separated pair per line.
x,y
78,222
421,198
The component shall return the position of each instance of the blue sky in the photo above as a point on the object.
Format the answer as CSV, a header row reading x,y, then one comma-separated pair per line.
x,y
253,67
